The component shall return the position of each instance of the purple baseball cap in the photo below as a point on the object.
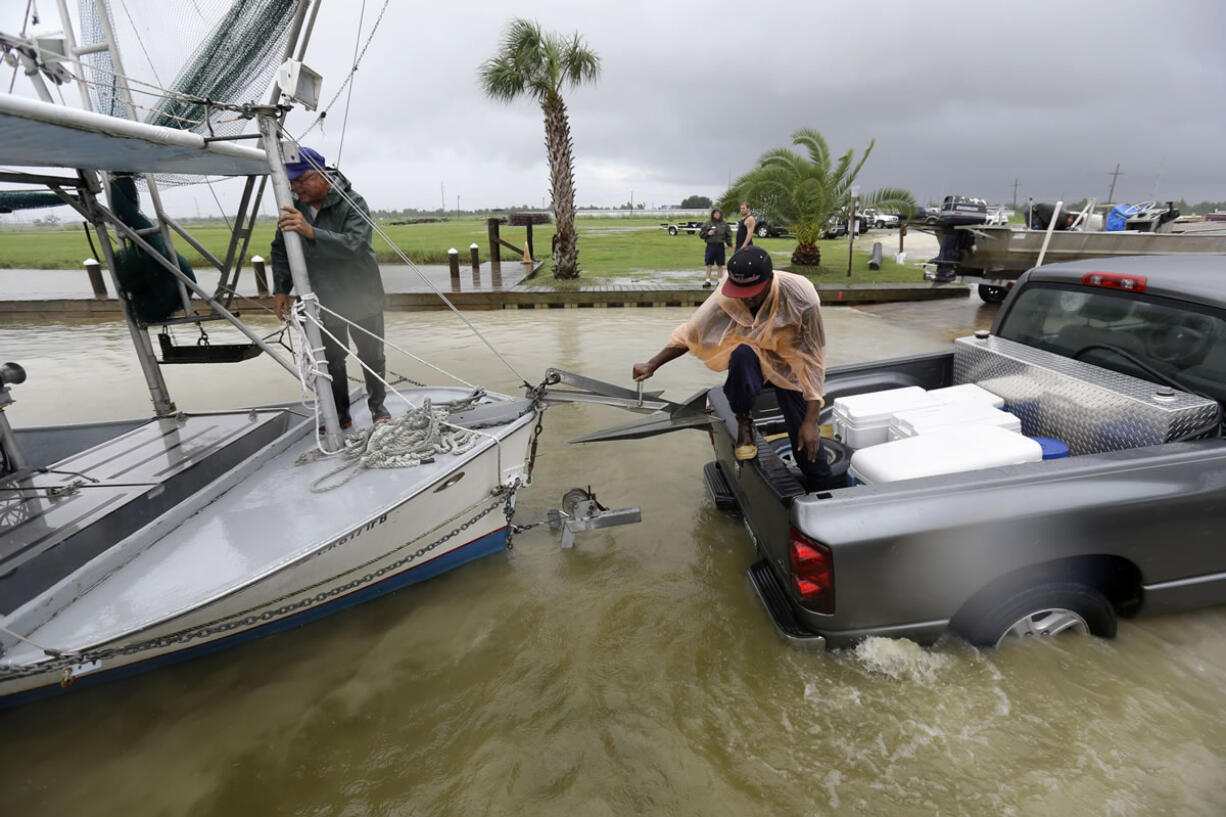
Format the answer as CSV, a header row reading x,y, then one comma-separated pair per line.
x,y
308,159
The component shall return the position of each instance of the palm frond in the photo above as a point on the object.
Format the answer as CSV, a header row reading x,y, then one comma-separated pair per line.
x,y
863,159
890,200
501,80
812,141
580,64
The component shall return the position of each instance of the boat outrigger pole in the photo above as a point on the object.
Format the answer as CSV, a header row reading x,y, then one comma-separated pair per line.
x,y
267,119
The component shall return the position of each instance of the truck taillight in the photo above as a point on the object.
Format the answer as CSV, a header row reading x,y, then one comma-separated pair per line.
x,y
812,572
1113,280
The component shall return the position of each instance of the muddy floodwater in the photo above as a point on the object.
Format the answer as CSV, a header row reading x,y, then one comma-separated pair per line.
x,y
635,674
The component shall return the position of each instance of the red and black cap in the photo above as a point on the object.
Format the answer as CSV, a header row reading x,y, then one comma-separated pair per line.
x,y
749,271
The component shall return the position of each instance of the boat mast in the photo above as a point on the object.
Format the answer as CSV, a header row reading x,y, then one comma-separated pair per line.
x,y
268,122
268,119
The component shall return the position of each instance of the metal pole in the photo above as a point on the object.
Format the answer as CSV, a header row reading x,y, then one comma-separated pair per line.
x,y
1051,225
298,269
36,79
70,45
306,37
163,406
851,231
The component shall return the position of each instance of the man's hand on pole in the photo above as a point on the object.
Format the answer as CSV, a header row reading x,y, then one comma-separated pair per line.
x,y
642,371
282,304
295,222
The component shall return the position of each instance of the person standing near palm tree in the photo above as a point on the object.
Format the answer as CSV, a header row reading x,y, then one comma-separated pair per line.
x,y
539,64
745,228
717,233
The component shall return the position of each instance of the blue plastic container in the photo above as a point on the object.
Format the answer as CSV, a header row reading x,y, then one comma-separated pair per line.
x,y
1053,449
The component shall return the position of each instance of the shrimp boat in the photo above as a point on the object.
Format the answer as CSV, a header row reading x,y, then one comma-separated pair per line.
x,y
127,545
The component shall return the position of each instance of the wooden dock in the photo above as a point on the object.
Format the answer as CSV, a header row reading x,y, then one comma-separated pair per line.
x,y
595,296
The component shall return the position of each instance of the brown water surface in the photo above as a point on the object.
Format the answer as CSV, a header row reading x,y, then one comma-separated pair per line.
x,y
635,674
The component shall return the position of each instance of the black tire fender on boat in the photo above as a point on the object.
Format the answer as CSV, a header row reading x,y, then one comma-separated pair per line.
x,y
991,619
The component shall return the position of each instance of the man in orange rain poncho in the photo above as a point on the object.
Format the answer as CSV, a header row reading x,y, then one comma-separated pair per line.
x,y
764,328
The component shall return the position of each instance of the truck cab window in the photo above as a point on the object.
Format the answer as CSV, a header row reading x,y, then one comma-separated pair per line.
x,y
1185,344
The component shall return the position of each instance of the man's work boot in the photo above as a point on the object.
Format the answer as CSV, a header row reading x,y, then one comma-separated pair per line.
x,y
746,448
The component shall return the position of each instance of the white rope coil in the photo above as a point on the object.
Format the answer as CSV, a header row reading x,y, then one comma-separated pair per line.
x,y
413,438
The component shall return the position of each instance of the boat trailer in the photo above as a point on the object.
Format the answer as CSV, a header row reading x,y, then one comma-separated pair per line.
x,y
580,510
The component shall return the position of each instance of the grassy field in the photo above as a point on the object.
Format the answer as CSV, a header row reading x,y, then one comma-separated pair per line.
x,y
608,248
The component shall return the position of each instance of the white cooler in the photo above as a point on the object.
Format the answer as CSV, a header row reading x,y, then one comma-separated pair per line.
x,y
945,451
862,420
967,393
913,422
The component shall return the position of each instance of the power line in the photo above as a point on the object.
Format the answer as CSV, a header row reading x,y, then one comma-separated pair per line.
x,y
1115,174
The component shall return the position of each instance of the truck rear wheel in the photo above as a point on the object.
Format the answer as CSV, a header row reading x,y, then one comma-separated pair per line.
x,y
1044,611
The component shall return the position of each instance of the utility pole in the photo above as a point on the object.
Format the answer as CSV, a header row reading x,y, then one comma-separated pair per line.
x,y
1114,175
1015,183
442,191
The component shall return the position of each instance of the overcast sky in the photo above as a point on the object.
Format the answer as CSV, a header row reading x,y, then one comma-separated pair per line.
x,y
961,97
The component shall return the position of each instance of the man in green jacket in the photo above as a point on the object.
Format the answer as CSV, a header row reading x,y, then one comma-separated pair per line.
x,y
718,234
343,273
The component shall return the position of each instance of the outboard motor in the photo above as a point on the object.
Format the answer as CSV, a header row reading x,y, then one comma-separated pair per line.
x,y
955,211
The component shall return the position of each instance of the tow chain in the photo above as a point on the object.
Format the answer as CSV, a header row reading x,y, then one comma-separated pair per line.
x,y
249,618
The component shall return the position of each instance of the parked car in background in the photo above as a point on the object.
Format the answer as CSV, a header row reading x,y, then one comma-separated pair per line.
x,y
767,227
690,227
881,220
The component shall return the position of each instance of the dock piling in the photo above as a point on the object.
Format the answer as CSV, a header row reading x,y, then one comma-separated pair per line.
x,y
453,263
261,277
96,281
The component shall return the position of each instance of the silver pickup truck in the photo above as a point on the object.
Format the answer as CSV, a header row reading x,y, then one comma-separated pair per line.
x,y
1121,360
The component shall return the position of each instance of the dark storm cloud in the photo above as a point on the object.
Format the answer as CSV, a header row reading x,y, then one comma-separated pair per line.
x,y
960,97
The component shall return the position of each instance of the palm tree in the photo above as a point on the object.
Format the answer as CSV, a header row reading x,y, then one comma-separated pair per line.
x,y
539,64
806,191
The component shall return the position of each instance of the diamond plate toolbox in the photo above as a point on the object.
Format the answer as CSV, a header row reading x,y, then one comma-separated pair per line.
x,y
1089,408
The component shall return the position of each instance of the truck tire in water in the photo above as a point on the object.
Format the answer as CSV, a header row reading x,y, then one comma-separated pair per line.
x,y
1043,610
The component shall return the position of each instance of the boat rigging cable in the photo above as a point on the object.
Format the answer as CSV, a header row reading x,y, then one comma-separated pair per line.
x,y
349,78
349,97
